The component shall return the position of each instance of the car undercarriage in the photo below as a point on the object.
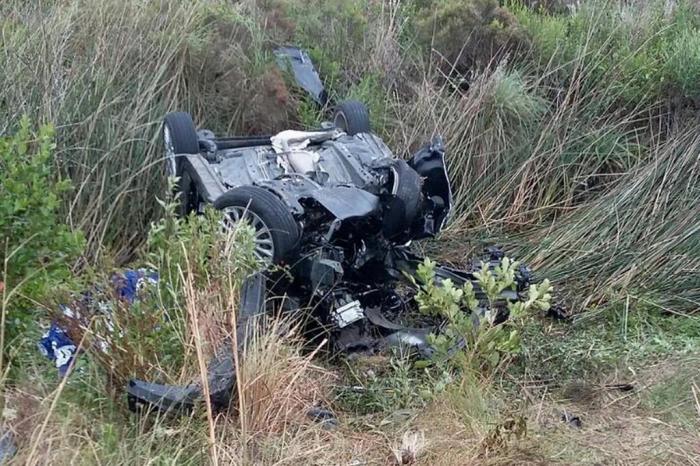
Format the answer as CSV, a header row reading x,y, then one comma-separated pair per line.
x,y
334,213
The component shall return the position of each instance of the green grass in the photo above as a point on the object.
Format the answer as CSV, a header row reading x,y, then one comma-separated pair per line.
x,y
673,398
604,341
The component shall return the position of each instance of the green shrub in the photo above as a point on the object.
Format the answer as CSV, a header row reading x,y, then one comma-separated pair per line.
x,y
36,248
468,34
472,324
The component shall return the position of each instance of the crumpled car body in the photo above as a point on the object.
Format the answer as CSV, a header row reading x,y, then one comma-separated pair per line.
x,y
338,210
329,181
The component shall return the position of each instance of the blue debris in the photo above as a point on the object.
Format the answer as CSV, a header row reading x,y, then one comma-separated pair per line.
x,y
8,448
57,345
129,284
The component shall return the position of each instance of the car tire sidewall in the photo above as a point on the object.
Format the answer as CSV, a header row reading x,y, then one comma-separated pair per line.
x,y
409,189
183,134
273,212
352,117
189,197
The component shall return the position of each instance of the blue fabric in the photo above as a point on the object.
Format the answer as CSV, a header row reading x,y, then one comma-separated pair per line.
x,y
57,345
131,282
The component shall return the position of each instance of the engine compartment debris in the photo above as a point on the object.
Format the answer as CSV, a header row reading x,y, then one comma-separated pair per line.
x,y
363,305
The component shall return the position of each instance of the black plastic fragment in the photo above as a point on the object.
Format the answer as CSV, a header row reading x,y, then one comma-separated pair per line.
x,y
221,371
571,419
145,395
298,62
323,416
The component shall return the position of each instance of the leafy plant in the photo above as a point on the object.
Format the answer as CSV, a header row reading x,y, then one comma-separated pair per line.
x,y
37,248
472,334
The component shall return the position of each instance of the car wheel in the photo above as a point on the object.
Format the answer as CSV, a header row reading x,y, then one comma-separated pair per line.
x,y
189,198
408,188
352,117
276,231
179,137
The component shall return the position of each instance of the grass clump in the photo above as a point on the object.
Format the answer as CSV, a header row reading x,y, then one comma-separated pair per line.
x,y
639,240
683,64
107,74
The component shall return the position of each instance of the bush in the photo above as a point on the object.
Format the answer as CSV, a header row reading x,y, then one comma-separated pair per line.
x,y
36,248
471,324
468,34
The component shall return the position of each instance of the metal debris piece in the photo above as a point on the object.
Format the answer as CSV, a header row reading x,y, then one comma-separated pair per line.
x,y
323,416
297,61
571,419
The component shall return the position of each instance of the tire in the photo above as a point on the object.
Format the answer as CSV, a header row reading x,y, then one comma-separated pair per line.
x,y
408,189
179,137
352,117
189,198
265,211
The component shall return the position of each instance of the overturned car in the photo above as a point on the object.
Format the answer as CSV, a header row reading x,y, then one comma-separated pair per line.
x,y
334,209
304,188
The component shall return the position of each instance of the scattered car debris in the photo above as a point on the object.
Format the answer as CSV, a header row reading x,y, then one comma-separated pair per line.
x,y
56,343
8,448
323,416
297,61
571,419
558,312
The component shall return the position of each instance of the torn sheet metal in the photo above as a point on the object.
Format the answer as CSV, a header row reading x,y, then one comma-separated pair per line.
x,y
298,62
346,202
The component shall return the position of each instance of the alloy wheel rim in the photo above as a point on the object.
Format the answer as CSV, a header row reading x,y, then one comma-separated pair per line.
x,y
264,245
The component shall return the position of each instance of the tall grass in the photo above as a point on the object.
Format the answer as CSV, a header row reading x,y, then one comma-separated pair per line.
x,y
105,74
514,158
641,239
